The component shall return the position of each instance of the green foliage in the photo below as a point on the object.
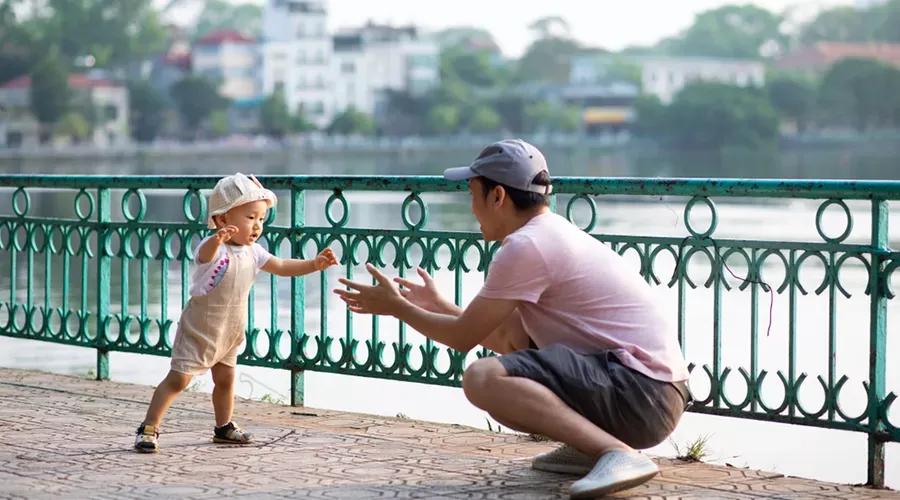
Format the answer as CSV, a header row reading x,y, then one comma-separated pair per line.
x,y
112,31
793,97
443,119
738,31
467,37
196,98
483,119
716,115
219,14
19,43
695,451
848,24
299,122
543,116
74,126
472,68
274,116
49,93
275,400
352,122
862,93
651,116
146,111
218,123
548,59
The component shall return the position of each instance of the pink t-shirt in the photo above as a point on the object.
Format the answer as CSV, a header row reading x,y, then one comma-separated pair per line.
x,y
574,290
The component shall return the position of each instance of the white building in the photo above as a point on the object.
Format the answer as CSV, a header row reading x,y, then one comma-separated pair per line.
x,y
231,59
664,77
297,56
108,100
375,58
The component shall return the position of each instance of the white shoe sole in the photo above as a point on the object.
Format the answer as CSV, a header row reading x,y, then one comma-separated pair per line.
x,y
604,489
574,469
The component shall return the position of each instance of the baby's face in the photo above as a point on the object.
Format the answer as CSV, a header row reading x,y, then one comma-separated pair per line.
x,y
248,218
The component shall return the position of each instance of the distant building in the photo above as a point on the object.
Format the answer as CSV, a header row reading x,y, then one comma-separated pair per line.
x,y
373,59
604,107
664,77
296,55
817,58
107,98
231,59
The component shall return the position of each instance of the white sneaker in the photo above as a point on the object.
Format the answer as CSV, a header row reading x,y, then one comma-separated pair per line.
x,y
565,459
616,470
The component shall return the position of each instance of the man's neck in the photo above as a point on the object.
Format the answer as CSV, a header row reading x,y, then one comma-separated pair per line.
x,y
520,218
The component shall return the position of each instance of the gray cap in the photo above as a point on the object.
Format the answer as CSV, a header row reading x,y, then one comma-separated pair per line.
x,y
512,162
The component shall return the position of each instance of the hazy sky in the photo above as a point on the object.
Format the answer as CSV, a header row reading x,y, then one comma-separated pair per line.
x,y
604,23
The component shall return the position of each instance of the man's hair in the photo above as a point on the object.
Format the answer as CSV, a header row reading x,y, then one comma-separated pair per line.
x,y
523,200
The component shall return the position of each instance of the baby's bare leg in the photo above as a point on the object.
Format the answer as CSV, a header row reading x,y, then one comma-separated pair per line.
x,y
165,395
223,393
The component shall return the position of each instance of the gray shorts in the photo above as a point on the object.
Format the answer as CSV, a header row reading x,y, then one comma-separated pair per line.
x,y
636,409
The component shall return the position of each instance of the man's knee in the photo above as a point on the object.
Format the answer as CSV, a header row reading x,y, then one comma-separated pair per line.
x,y
479,378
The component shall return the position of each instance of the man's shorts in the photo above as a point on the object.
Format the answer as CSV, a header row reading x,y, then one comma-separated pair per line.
x,y
634,408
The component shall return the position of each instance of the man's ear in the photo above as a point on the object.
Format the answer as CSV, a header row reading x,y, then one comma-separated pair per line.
x,y
499,195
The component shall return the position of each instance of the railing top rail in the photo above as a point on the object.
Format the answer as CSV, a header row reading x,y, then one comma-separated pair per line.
x,y
658,186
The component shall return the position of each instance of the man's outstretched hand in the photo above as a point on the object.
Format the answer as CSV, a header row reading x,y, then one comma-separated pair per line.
x,y
382,298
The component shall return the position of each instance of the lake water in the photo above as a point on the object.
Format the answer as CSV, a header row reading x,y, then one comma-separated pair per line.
x,y
810,452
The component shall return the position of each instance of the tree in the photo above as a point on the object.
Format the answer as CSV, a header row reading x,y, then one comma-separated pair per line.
x,y
218,123
714,115
793,97
300,123
49,93
19,47
196,98
551,27
352,122
729,31
109,31
860,92
877,23
483,119
841,24
472,68
146,109
274,116
543,116
548,59
443,119
219,14
74,126
467,37
650,116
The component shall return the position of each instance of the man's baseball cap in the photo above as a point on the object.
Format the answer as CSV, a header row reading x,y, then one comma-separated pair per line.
x,y
512,162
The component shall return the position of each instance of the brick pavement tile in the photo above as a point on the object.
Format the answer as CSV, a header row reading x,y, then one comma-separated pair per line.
x,y
299,452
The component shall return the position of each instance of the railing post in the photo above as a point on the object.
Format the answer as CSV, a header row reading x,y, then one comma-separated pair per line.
x,y
103,282
298,302
877,343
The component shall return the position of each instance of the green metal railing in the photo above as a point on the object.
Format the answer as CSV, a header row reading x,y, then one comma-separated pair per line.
x,y
72,277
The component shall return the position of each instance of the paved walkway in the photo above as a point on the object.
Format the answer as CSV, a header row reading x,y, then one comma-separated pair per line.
x,y
65,437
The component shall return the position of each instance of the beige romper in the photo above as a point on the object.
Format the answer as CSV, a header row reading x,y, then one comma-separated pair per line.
x,y
212,326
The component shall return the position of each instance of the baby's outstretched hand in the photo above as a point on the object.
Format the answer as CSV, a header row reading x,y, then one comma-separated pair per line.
x,y
325,259
225,234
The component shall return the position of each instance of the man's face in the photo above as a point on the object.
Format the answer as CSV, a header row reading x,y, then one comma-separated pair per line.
x,y
485,209
248,218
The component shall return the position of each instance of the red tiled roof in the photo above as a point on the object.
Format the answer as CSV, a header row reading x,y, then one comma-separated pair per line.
x,y
76,81
218,37
822,55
